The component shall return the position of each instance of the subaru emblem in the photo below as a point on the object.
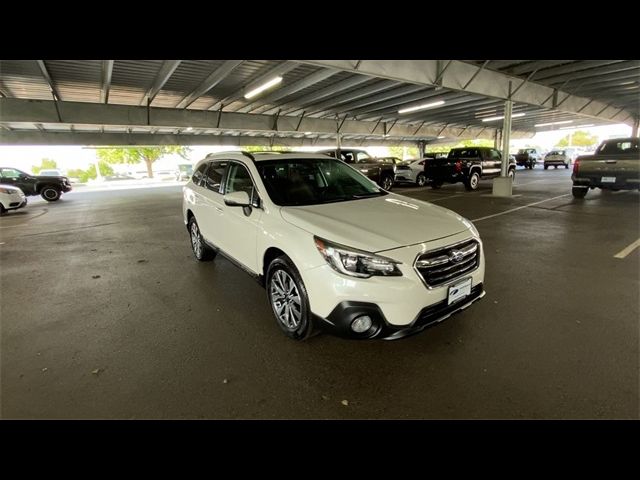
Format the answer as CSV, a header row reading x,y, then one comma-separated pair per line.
x,y
455,256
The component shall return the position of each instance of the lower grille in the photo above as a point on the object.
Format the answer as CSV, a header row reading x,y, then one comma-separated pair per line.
x,y
435,312
446,264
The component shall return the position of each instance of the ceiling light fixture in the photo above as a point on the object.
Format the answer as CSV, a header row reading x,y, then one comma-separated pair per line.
x,y
576,126
421,107
263,87
491,119
553,123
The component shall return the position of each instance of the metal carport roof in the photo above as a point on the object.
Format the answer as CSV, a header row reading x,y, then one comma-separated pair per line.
x,y
202,101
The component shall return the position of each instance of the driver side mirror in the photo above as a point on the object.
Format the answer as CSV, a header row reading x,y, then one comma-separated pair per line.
x,y
237,199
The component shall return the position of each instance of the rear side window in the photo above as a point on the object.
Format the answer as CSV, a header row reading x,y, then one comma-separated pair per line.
x,y
199,173
213,178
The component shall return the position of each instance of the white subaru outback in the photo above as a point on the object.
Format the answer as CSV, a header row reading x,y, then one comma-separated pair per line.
x,y
334,251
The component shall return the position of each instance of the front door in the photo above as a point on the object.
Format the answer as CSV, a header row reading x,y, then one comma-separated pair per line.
x,y
241,223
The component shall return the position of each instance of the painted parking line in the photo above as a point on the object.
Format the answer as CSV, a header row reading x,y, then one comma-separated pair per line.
x,y
627,250
431,200
518,208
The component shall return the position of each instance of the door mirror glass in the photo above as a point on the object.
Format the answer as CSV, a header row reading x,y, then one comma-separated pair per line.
x,y
238,198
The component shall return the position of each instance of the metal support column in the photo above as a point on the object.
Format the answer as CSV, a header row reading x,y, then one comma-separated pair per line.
x,y
636,125
502,186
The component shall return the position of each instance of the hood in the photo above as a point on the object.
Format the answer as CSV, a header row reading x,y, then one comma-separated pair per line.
x,y
377,224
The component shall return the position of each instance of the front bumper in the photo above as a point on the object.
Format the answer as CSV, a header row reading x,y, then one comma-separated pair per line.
x,y
400,300
16,202
339,320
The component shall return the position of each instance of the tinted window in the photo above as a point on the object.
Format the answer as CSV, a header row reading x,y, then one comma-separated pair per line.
x,y
199,173
494,154
213,177
313,181
464,153
620,146
347,156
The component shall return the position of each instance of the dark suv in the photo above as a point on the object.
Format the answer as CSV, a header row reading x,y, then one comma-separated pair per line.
x,y
50,188
383,173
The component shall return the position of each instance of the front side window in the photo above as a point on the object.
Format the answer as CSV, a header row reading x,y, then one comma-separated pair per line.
x,y
213,177
11,173
495,154
238,180
363,157
291,182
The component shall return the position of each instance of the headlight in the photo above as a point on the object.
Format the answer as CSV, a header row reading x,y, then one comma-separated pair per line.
x,y
9,191
356,263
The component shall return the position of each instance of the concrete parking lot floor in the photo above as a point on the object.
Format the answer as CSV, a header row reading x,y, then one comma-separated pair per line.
x,y
105,314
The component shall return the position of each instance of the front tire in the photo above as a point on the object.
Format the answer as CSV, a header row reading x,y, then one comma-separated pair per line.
x,y
512,175
421,180
472,182
546,167
201,251
387,183
50,193
579,192
288,299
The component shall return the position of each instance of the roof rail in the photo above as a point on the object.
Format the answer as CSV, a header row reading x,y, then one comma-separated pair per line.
x,y
235,152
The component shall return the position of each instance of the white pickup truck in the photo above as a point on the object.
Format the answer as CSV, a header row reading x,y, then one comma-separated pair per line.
x,y
615,165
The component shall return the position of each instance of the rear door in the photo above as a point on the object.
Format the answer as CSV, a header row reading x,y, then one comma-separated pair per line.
x,y
212,220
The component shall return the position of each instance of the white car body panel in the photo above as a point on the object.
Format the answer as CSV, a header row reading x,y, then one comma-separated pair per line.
x,y
16,196
400,227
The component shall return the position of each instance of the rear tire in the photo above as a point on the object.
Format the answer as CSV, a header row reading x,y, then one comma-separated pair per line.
x,y
579,192
473,181
566,166
512,174
546,167
288,299
50,193
200,249
436,184
421,180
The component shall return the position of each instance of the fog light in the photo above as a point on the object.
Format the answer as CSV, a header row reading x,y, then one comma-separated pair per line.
x,y
361,324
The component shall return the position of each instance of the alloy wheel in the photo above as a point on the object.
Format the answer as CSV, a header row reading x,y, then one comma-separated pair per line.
x,y
285,299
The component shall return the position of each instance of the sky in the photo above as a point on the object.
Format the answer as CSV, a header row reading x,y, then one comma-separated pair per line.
x,y
69,157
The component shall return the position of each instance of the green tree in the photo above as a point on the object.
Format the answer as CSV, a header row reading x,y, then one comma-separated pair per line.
x,y
445,147
45,164
266,148
90,173
398,152
579,138
133,155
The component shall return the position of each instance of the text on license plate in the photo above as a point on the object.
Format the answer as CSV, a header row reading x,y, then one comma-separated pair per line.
x,y
459,291
608,179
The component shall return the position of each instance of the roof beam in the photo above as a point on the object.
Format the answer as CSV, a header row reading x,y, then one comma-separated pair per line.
x,y
47,77
370,103
163,75
38,111
211,81
328,106
107,70
488,82
261,103
34,137
308,99
534,65
276,71
594,72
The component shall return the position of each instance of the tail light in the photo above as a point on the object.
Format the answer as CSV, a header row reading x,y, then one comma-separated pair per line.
x,y
459,166
576,166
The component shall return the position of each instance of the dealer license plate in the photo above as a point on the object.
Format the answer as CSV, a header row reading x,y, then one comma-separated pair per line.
x,y
608,179
459,291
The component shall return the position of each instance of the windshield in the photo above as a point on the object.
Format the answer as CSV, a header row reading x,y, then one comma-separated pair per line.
x,y
311,181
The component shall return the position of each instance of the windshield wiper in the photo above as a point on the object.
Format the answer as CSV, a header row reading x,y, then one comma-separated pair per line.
x,y
367,195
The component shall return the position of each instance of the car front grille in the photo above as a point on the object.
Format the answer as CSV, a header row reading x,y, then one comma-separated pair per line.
x,y
446,264
402,167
